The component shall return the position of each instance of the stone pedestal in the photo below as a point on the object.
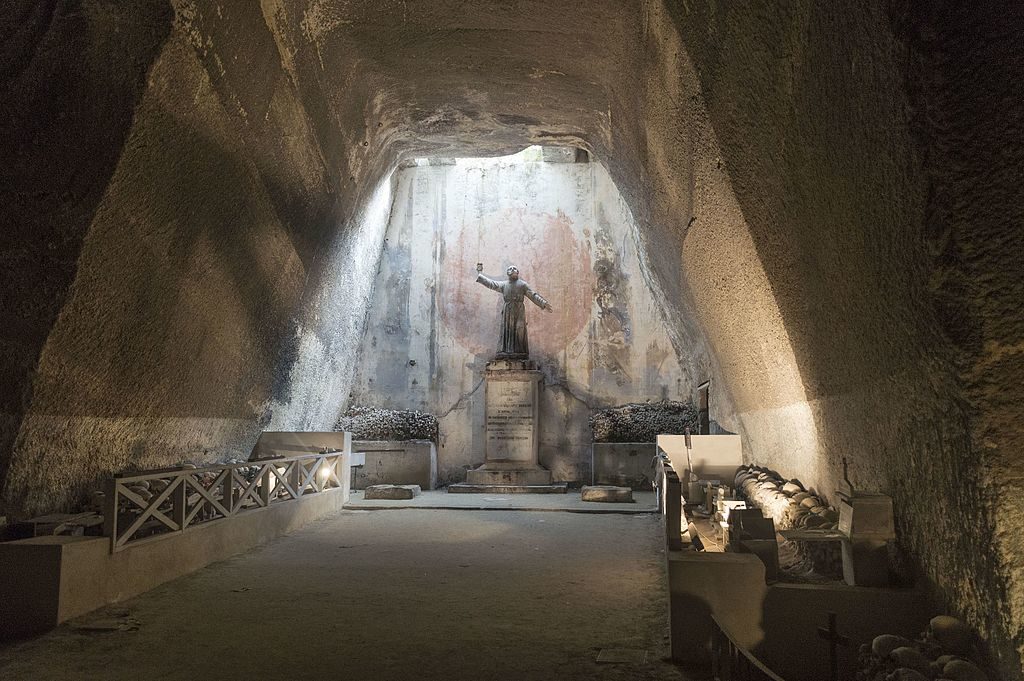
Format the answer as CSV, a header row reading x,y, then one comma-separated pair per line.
x,y
512,441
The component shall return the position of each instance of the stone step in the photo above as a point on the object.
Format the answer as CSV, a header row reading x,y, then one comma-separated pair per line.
x,y
518,477
468,488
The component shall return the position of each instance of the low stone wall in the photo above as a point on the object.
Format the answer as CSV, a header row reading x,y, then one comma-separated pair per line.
x,y
778,623
47,580
626,464
396,462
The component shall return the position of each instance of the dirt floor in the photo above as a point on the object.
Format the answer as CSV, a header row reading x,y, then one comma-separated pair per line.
x,y
392,595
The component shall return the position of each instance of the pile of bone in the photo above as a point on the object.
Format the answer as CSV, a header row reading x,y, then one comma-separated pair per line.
x,y
643,422
371,423
791,506
943,652
787,502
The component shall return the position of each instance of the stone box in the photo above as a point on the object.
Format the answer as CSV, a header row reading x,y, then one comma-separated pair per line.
x,y
396,462
625,464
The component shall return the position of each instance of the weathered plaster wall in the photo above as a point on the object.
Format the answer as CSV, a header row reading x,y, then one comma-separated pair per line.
x,y
431,328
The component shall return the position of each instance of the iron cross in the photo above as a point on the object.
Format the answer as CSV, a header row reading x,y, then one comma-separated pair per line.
x,y
834,638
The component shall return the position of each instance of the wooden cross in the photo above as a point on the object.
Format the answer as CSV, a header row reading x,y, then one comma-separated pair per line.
x,y
834,638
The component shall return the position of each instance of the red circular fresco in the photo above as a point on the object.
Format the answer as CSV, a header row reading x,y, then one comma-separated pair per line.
x,y
550,259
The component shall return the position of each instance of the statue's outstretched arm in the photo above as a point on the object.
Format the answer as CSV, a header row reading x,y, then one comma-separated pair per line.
x,y
488,282
538,300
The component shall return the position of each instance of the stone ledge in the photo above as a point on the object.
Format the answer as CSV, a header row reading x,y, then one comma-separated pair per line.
x,y
468,488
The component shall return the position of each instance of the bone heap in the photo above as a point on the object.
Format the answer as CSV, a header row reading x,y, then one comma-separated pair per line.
x,y
371,423
643,422
945,651
793,507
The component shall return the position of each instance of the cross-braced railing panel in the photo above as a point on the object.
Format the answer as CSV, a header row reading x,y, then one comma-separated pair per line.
x,y
732,662
159,503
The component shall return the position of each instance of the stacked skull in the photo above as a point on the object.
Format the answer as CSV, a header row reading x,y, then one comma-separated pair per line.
x,y
793,507
643,422
943,652
371,423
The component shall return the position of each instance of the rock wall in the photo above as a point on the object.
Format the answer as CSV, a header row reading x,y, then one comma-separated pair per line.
x,y
432,328
211,266
848,265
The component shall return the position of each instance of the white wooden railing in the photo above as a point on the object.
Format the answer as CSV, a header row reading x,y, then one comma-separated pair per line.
x,y
152,505
732,662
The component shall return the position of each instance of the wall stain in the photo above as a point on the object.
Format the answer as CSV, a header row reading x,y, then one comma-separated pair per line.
x,y
612,334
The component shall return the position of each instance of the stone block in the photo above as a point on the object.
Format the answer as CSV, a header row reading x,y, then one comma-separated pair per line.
x,y
607,494
625,464
396,462
391,492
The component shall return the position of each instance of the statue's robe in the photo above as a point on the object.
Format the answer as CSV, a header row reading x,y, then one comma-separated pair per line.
x,y
512,340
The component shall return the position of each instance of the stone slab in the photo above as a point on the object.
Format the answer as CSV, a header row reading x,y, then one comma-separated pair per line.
x,y
511,416
391,491
396,462
469,488
608,494
625,464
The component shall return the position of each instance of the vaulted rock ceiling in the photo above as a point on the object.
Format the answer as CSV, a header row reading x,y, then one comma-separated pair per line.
x,y
828,200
